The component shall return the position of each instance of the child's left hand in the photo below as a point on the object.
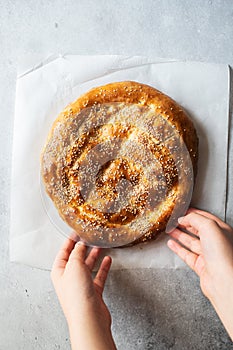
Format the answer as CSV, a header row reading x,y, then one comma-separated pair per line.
x,y
79,294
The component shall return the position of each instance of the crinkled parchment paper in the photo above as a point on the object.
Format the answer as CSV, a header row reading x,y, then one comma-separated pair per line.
x,y
45,86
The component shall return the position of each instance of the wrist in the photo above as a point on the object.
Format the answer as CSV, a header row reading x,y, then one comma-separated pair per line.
x,y
222,301
87,312
90,333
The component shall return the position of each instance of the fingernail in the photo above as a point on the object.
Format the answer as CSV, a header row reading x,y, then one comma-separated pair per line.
x,y
180,219
74,236
170,243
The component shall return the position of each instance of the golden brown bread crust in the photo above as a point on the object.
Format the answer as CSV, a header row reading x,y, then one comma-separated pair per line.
x,y
122,110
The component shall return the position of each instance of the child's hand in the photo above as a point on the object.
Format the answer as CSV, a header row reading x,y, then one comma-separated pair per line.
x,y
81,296
208,250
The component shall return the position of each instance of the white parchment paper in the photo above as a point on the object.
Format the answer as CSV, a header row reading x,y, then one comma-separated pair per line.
x,y
45,86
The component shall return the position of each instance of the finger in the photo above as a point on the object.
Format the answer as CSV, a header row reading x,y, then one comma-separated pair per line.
x,y
74,236
78,253
221,223
92,258
198,224
63,256
102,273
192,243
188,257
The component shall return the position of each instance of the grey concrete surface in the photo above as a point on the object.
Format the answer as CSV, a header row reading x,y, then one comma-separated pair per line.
x,y
151,309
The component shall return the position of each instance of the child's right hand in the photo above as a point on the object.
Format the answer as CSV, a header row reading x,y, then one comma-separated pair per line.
x,y
208,250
